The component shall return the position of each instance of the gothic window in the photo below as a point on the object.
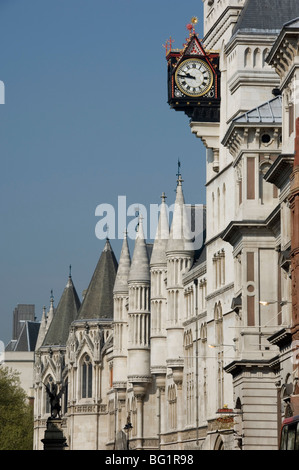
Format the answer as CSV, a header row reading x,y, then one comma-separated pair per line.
x,y
219,269
86,390
257,58
247,57
65,396
265,54
202,286
49,383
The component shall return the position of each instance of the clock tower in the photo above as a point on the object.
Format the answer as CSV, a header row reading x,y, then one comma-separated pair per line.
x,y
194,79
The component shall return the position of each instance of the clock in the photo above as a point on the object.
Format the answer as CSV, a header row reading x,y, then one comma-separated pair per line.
x,y
194,77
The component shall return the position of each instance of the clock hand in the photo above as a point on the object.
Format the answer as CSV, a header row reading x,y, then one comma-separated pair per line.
x,y
187,76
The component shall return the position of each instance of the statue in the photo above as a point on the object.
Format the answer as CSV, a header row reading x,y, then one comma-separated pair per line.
x,y
54,398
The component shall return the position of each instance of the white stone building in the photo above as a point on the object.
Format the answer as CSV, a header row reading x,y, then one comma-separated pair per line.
x,y
175,341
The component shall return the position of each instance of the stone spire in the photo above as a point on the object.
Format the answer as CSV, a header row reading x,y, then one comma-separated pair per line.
x,y
162,235
140,263
51,311
65,313
180,234
121,281
98,300
42,329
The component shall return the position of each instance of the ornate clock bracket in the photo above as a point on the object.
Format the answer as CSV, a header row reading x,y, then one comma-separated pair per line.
x,y
194,79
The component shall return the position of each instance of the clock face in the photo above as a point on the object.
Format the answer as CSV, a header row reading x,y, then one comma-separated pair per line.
x,y
194,77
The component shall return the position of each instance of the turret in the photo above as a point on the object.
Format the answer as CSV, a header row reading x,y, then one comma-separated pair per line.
x,y
139,316
179,254
158,268
121,299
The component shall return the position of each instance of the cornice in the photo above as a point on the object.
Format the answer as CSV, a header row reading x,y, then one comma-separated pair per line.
x,y
246,38
284,50
244,228
222,24
252,79
281,338
280,171
238,366
237,135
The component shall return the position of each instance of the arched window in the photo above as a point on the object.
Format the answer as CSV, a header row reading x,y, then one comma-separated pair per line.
x,y
265,54
247,57
49,384
86,377
257,58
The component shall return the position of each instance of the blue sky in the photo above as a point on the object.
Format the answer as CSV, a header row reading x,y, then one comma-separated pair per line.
x,y
85,120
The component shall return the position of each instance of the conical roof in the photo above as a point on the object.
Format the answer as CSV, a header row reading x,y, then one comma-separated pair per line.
x,y
180,238
121,281
140,262
42,329
65,313
158,256
98,300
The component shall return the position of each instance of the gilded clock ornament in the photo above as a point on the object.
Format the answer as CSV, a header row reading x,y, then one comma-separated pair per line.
x,y
194,77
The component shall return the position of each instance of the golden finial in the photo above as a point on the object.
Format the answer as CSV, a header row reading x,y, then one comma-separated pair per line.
x,y
191,26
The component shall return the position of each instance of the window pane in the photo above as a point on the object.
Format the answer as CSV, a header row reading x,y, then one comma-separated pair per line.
x,y
89,381
84,380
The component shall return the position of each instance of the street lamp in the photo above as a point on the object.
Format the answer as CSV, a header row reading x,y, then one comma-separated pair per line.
x,y
269,302
128,428
220,345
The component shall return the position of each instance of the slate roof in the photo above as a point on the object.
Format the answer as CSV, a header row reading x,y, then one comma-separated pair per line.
x,y
65,313
271,112
27,338
98,300
266,15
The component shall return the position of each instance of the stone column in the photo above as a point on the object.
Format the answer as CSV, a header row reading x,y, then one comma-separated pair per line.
x,y
161,381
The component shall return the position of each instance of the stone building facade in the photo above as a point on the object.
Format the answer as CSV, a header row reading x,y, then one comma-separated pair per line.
x,y
184,347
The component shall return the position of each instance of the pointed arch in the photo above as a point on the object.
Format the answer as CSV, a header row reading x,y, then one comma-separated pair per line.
x,y
247,57
86,368
257,57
